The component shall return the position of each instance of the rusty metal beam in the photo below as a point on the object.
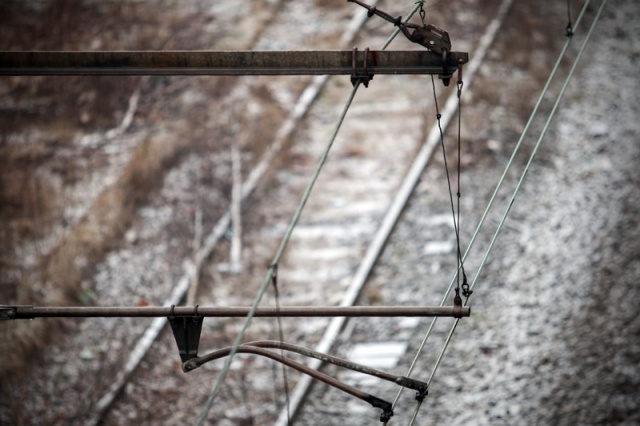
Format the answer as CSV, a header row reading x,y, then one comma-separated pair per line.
x,y
30,312
229,62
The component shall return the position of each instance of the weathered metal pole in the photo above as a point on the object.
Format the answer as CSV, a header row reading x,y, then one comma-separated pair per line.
x,y
230,62
30,312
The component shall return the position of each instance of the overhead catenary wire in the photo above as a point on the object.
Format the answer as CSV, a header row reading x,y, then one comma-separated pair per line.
x,y
504,173
300,108
508,166
470,70
454,212
354,26
539,141
277,257
517,188
361,275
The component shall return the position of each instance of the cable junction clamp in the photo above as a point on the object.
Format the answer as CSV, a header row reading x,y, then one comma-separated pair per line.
x,y
365,77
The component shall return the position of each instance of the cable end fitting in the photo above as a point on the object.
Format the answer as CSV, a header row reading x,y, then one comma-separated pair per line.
x,y
569,30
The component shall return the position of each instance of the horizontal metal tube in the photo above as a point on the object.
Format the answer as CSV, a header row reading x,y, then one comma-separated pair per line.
x,y
29,312
331,62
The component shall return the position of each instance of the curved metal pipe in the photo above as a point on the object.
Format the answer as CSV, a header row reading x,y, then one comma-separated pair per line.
x,y
221,353
341,362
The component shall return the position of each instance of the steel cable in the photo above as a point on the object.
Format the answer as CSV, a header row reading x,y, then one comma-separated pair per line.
x,y
471,69
337,323
285,240
518,186
502,178
276,259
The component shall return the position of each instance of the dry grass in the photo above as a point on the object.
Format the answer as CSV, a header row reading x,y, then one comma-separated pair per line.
x,y
60,275
63,110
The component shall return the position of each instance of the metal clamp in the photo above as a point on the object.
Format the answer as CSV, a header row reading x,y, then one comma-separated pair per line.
x,y
7,313
364,78
446,74
186,331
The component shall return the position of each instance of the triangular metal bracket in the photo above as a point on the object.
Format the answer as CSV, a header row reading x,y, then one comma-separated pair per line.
x,y
186,331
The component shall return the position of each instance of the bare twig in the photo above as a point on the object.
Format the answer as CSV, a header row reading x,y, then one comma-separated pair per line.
x,y
235,255
93,139
197,242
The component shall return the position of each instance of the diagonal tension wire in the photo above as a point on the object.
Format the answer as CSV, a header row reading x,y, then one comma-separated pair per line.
x,y
384,46
270,272
544,131
518,186
500,181
397,30
472,67
456,219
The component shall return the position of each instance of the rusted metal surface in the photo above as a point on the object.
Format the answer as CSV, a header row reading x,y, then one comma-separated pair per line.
x,y
325,62
429,36
30,312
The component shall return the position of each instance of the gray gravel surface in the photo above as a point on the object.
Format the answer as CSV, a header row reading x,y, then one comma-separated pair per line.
x,y
553,337
554,332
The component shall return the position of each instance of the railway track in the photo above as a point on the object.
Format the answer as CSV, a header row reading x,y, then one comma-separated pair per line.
x,y
417,264
326,216
350,200
104,358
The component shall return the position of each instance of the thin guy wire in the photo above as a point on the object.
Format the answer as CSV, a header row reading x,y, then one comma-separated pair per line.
x,y
455,225
276,260
384,46
290,230
494,195
446,168
460,260
274,281
460,265
517,189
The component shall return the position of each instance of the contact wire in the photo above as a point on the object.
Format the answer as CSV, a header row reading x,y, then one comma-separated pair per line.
x,y
276,260
498,185
519,185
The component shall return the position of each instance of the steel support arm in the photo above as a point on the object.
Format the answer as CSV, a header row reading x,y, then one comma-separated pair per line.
x,y
30,312
230,62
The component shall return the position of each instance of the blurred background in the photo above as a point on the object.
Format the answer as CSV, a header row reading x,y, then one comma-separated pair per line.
x,y
113,190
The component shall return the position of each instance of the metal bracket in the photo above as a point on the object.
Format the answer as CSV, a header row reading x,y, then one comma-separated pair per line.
x,y
417,385
7,313
10,312
385,406
186,331
365,77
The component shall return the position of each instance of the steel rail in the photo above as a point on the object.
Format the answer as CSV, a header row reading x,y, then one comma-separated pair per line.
x,y
368,262
31,312
284,133
322,62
